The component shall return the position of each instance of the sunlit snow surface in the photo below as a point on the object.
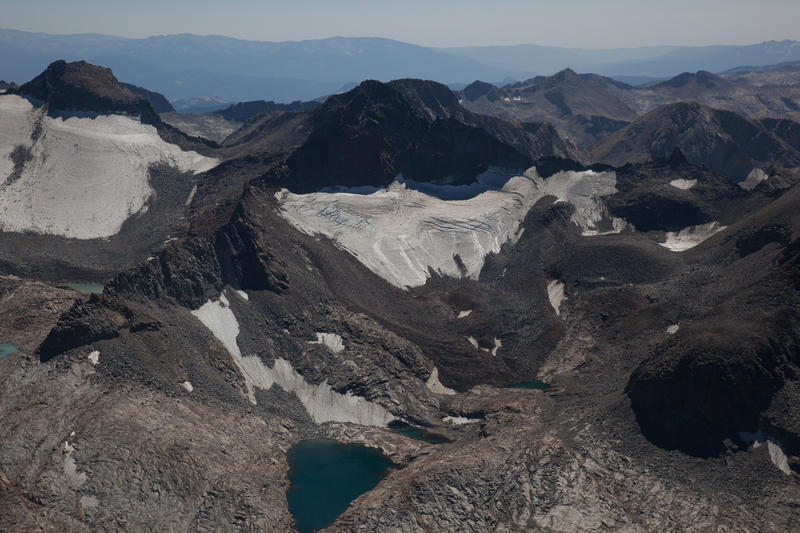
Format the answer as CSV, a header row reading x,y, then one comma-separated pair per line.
x,y
683,184
402,233
86,176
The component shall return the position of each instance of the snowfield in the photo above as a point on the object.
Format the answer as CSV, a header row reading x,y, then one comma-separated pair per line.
x,y
401,233
322,403
690,237
84,176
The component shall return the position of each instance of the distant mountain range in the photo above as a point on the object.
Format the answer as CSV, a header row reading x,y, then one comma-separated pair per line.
x,y
588,107
231,70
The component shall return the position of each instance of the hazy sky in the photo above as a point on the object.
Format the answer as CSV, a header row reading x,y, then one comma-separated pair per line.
x,y
572,23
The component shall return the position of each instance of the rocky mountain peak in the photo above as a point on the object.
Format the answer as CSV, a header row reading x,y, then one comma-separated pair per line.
x,y
476,89
702,78
80,86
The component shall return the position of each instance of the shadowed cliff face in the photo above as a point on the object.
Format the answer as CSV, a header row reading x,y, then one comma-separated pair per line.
x,y
711,383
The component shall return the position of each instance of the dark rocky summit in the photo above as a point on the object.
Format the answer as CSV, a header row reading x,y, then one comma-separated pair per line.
x,y
80,86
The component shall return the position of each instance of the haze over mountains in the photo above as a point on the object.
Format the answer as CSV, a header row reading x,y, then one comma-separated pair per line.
x,y
587,292
185,66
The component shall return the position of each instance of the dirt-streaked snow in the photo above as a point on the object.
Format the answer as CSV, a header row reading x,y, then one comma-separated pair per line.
x,y
755,177
331,340
401,233
321,401
459,420
435,386
85,176
690,237
555,293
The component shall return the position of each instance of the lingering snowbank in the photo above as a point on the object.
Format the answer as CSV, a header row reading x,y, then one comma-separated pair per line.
x,y
673,329
755,177
683,184
321,401
776,453
401,234
459,420
331,340
690,237
555,293
435,386
84,176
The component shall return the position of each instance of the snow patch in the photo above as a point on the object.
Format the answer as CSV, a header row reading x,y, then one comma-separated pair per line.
x,y
85,176
402,234
777,457
690,237
188,386
755,177
89,502
497,345
94,357
473,341
331,340
673,329
191,196
435,386
776,453
75,478
243,295
459,420
555,293
321,401
464,314
683,184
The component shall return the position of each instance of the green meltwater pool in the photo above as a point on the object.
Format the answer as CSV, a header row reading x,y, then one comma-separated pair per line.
x,y
535,384
88,288
6,349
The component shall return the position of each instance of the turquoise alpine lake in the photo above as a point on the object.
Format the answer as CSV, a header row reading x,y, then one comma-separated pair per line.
x,y
326,475
6,349
416,432
88,288
535,384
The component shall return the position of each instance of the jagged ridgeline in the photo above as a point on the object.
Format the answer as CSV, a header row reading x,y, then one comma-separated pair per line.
x,y
565,304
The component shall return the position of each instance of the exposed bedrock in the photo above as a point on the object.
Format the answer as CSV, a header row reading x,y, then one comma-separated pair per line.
x,y
89,321
193,271
712,381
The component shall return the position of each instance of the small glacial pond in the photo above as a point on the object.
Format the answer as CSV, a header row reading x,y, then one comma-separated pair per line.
x,y
535,384
325,476
416,432
6,349
88,288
